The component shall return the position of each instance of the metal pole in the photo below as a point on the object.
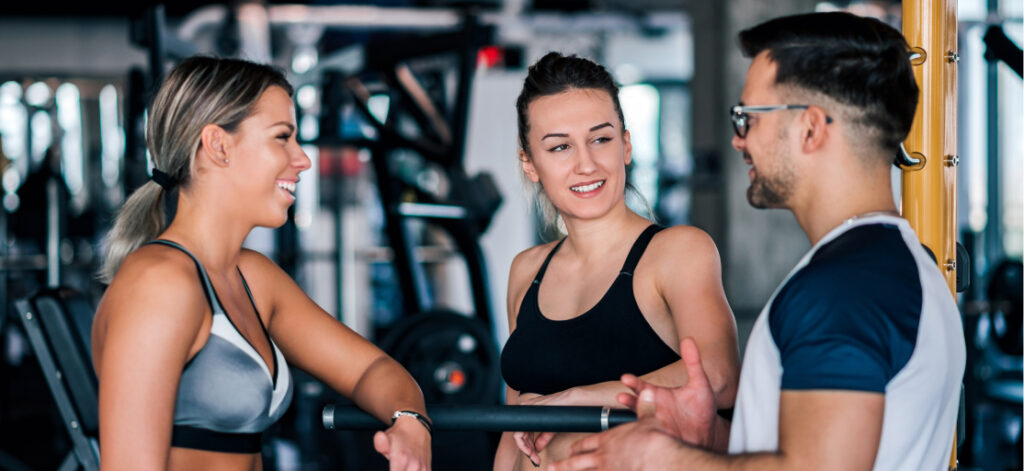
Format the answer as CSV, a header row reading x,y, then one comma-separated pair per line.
x,y
993,211
929,189
52,232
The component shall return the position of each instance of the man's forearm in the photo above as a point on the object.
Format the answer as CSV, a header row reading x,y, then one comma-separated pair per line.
x,y
695,459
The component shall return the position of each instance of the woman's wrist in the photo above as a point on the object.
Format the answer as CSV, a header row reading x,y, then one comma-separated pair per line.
x,y
410,416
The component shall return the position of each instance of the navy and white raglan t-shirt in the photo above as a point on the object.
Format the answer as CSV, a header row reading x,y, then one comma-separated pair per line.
x,y
866,309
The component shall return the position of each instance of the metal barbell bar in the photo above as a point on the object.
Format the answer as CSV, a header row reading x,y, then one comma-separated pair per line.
x,y
492,418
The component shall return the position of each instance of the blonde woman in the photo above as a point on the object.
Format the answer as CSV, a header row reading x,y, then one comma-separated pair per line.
x,y
194,337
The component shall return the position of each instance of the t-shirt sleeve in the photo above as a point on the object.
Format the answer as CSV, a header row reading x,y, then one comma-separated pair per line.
x,y
831,334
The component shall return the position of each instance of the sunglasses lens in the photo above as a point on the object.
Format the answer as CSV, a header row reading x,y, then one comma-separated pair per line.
x,y
739,124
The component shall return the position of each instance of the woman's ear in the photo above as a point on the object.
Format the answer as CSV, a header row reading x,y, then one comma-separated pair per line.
x,y
629,147
528,168
215,143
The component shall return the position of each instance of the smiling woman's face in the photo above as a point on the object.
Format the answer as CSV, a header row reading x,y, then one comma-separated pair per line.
x,y
268,159
578,152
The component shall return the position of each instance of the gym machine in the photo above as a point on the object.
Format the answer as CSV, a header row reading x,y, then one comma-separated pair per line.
x,y
452,355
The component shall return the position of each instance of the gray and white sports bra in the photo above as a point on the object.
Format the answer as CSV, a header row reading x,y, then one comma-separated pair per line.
x,y
227,396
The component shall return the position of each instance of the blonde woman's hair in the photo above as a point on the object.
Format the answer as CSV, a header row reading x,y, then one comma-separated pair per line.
x,y
197,92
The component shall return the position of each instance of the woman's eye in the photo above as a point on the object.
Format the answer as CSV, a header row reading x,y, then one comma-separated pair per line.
x,y
558,148
284,136
602,140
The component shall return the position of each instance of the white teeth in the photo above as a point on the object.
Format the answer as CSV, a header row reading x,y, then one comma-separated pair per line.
x,y
586,188
287,186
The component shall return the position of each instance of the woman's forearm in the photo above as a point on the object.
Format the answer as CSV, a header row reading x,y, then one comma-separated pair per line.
x,y
386,387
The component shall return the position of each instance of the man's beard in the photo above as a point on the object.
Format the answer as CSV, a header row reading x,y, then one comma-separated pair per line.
x,y
771,192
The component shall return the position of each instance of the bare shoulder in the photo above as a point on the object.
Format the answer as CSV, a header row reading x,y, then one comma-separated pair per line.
x,y
686,247
526,264
157,287
157,271
260,268
260,271
683,240
256,260
524,267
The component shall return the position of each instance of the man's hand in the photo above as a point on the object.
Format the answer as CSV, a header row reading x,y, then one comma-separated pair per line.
x,y
641,445
686,412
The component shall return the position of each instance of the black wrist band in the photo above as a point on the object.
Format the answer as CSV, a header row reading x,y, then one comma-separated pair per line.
x,y
423,420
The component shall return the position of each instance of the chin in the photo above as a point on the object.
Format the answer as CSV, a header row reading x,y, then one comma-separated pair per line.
x,y
273,223
760,200
586,214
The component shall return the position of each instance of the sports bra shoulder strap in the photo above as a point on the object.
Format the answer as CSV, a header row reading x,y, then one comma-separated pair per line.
x,y
211,295
639,247
544,266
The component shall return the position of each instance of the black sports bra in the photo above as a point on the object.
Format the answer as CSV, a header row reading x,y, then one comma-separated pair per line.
x,y
545,356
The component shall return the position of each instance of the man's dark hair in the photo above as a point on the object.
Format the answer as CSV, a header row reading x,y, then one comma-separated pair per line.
x,y
857,61
554,74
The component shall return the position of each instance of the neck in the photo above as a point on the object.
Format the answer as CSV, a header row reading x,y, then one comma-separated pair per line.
x,y
213,233
835,200
590,239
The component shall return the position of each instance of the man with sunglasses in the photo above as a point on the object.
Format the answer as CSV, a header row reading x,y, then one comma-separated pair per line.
x,y
857,359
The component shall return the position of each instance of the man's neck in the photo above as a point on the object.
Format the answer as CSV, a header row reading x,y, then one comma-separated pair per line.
x,y
839,197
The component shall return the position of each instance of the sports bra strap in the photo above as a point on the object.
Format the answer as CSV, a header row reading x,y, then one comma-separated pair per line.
x,y
638,249
211,295
544,266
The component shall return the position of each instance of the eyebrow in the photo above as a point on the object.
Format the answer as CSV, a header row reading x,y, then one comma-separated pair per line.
x,y
595,128
291,127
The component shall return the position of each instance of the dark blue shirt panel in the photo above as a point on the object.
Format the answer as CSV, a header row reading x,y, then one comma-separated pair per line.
x,y
848,320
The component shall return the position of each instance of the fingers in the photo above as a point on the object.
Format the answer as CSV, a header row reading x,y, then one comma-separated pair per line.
x,y
520,439
691,358
400,457
576,463
631,381
627,400
382,444
586,445
645,404
526,444
397,462
542,440
404,462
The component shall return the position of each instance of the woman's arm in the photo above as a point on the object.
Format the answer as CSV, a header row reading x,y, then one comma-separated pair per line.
x,y
690,282
508,453
316,342
145,329
688,279
523,265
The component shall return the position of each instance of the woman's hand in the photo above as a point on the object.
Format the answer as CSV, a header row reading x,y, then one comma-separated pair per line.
x,y
532,443
406,445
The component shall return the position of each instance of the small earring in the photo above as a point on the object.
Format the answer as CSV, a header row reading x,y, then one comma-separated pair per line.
x,y
226,160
